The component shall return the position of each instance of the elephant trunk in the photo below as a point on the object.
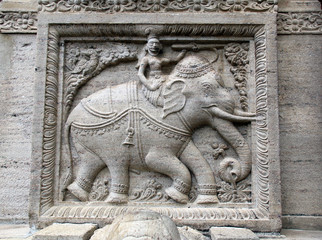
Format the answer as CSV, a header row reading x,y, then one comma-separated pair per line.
x,y
232,170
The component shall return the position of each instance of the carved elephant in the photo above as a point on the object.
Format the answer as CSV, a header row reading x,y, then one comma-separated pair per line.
x,y
119,128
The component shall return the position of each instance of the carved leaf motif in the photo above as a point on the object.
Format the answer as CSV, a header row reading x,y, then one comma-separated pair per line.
x,y
237,55
99,190
84,64
242,193
152,191
174,99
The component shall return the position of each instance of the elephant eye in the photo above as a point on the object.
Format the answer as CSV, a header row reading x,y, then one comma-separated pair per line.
x,y
206,85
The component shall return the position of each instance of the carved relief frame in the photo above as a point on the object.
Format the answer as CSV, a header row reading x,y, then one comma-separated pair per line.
x,y
263,214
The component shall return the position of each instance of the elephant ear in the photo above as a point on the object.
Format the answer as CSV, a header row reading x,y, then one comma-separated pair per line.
x,y
174,99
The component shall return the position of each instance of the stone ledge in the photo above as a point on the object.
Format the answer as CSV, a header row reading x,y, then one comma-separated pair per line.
x,y
66,231
302,222
230,233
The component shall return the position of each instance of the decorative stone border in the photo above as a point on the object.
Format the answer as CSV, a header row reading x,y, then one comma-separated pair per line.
x,y
287,22
299,23
18,22
152,6
47,208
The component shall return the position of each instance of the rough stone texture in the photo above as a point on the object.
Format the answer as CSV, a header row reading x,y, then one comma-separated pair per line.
x,y
18,231
66,232
18,5
301,235
101,233
17,65
139,225
299,5
300,100
188,233
229,233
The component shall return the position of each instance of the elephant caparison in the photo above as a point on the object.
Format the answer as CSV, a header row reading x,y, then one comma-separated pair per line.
x,y
119,128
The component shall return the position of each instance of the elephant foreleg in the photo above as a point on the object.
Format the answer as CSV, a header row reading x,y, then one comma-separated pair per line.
x,y
163,161
86,171
198,165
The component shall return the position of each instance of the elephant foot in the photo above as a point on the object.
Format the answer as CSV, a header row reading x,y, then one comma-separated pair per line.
x,y
78,192
176,195
204,199
117,198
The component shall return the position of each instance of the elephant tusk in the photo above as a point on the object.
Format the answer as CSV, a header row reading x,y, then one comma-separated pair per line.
x,y
217,112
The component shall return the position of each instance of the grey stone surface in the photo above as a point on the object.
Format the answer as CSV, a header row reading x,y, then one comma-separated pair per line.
x,y
188,233
139,225
102,233
18,5
299,5
17,64
66,231
300,129
301,234
230,233
18,231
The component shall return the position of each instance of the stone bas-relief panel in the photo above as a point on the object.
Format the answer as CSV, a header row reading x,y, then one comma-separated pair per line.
x,y
160,123
166,117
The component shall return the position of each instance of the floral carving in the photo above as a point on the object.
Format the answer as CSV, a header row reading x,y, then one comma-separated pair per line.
x,y
240,193
18,22
237,56
152,191
294,23
84,64
219,149
114,6
99,190
246,5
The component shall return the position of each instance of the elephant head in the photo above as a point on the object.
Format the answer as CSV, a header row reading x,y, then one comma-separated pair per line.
x,y
196,91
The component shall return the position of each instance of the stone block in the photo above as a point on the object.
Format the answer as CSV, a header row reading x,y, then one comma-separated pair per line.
x,y
188,233
229,233
66,231
99,234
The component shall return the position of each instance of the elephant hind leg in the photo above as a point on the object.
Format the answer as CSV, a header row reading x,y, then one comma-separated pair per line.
x,y
86,170
163,161
119,170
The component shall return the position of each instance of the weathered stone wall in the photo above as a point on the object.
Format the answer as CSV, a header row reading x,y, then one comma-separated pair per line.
x,y
300,85
17,64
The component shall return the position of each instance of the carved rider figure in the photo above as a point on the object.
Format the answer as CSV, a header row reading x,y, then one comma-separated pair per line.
x,y
153,79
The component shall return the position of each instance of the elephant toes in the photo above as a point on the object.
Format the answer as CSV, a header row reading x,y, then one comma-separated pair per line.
x,y
204,199
176,195
117,198
78,192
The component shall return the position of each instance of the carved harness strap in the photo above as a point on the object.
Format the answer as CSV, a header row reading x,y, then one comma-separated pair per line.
x,y
132,105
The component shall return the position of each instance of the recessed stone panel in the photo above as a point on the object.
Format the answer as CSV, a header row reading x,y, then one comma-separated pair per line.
x,y
177,115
